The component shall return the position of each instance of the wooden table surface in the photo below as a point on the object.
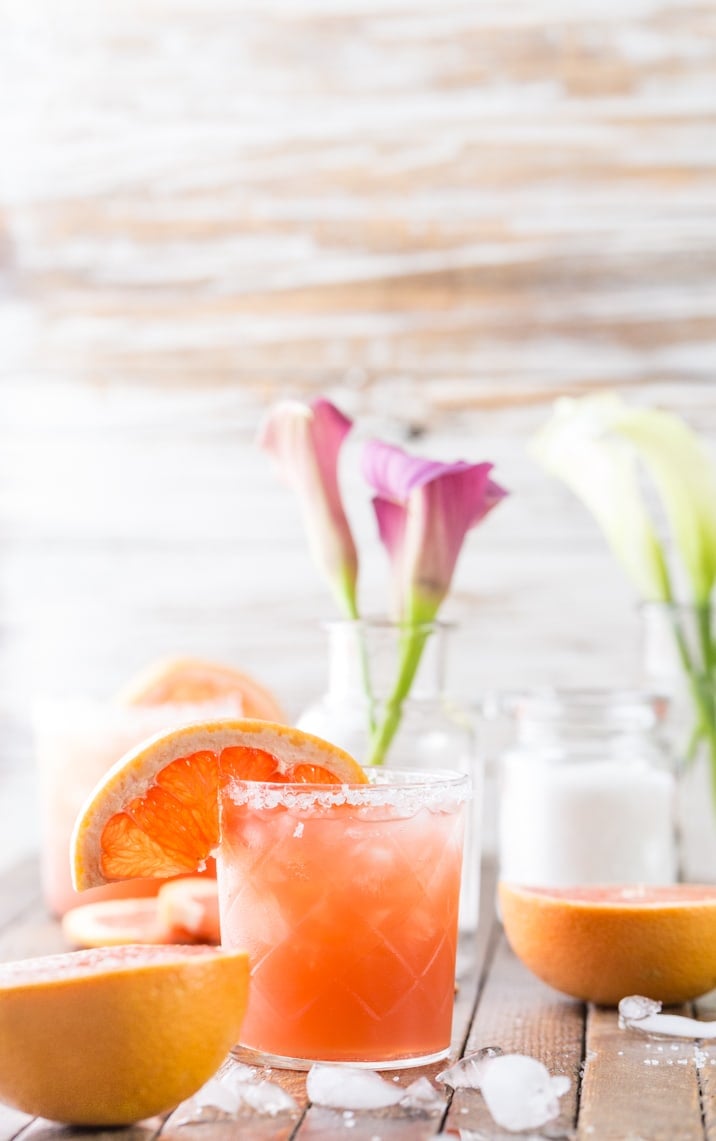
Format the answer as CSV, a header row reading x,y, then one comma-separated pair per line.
x,y
623,1084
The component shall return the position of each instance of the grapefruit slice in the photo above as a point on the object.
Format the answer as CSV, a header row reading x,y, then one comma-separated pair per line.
x,y
185,910
114,1035
113,922
188,910
600,944
156,812
191,680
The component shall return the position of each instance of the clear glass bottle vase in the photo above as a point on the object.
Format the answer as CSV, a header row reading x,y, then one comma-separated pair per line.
x,y
679,659
426,730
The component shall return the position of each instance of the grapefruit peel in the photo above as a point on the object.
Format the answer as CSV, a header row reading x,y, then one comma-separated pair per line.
x,y
129,807
187,680
113,1035
600,943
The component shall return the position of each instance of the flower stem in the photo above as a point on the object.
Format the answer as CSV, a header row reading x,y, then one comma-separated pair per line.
x,y
412,646
702,686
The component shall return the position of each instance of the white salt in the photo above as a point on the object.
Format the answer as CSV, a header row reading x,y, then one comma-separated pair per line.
x,y
596,821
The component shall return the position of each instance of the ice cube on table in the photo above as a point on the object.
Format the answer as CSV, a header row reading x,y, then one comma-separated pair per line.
x,y
421,1094
519,1091
643,1014
267,1097
467,1072
236,1085
214,1100
350,1087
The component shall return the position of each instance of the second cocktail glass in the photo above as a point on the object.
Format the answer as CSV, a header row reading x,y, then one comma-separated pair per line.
x,y
346,898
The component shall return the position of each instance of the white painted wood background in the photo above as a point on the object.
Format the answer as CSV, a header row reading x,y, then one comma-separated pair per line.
x,y
441,217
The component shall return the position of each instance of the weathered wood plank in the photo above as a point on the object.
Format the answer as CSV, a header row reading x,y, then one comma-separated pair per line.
x,y
626,1072
493,195
250,1125
705,1061
522,1016
41,1130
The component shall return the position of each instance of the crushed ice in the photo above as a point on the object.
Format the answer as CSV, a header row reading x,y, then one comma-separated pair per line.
x,y
234,1087
354,1088
643,1014
519,1091
466,1073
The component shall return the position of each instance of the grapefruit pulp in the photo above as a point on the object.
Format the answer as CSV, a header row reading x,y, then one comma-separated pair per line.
x,y
156,812
185,910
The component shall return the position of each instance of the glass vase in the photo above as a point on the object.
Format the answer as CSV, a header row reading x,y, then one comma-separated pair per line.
x,y
425,731
679,658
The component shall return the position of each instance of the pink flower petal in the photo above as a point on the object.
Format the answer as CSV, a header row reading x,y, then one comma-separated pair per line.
x,y
305,442
433,506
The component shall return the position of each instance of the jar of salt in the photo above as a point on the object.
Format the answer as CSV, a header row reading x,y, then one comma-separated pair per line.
x,y
587,792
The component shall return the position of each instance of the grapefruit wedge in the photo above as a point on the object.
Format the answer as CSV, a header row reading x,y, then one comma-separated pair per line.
x,y
111,1036
600,944
156,812
182,680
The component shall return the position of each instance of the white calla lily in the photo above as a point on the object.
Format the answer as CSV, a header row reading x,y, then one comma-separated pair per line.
x,y
579,446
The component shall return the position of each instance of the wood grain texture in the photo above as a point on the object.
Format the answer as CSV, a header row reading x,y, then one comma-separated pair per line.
x,y
624,1071
358,193
522,1016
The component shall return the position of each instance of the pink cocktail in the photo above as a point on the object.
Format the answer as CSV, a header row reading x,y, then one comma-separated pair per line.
x,y
346,898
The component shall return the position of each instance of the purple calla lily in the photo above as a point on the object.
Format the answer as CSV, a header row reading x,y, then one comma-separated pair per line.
x,y
305,441
424,509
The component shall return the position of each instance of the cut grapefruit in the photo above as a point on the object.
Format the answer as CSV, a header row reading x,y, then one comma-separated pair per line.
x,y
113,922
600,944
111,1036
188,910
156,812
185,910
191,680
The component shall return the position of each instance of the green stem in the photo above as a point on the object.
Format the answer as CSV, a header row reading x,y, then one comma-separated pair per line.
x,y
413,644
345,590
711,744
365,676
700,676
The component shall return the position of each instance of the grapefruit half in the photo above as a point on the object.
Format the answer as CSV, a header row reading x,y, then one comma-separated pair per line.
x,y
156,812
600,944
180,680
114,1035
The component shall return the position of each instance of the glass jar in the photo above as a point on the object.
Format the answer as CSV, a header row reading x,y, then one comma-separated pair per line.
x,y
364,660
679,659
587,792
